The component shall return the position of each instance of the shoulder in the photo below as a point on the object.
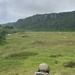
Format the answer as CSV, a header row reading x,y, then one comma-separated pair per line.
x,y
41,73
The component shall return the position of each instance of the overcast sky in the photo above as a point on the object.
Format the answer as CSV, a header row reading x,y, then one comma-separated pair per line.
x,y
12,10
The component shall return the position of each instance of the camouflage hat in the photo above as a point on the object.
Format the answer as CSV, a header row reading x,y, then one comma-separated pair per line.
x,y
43,67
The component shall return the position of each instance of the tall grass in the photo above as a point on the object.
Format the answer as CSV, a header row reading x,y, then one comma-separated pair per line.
x,y
25,51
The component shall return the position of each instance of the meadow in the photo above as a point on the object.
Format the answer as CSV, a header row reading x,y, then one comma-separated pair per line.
x,y
22,54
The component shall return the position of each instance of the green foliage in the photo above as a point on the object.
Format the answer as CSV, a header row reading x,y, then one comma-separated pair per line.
x,y
55,56
20,55
2,35
10,29
70,64
5,30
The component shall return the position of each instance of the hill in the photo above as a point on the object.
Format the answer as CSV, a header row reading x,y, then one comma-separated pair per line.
x,y
64,21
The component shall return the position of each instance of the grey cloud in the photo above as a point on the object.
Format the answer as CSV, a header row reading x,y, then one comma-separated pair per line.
x,y
11,10
42,6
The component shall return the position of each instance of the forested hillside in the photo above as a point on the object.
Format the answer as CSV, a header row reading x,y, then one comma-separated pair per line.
x,y
64,21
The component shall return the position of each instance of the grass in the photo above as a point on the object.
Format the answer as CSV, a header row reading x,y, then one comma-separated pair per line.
x,y
26,50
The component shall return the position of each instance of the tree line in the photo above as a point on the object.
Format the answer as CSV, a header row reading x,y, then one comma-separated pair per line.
x,y
5,30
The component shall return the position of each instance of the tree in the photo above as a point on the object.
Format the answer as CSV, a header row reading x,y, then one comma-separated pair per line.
x,y
2,34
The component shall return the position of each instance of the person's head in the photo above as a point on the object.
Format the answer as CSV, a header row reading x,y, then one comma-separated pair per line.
x,y
43,67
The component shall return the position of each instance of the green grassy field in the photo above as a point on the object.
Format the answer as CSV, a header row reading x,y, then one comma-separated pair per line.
x,y
26,50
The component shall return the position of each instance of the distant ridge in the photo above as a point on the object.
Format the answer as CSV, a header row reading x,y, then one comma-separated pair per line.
x,y
64,21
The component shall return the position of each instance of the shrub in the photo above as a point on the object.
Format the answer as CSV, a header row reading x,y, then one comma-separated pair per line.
x,y
2,35
70,64
54,56
20,55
